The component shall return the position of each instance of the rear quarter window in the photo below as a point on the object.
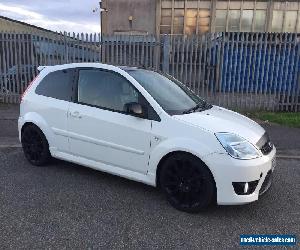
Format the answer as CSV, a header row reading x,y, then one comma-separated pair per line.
x,y
57,84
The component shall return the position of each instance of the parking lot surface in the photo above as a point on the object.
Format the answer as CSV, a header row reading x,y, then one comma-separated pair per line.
x,y
64,205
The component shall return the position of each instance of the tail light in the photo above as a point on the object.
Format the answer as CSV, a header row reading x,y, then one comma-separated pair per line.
x,y
28,87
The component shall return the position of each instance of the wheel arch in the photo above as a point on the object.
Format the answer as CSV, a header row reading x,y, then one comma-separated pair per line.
x,y
168,147
175,152
38,121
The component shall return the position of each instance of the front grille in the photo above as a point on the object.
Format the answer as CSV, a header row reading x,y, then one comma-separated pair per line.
x,y
264,144
267,183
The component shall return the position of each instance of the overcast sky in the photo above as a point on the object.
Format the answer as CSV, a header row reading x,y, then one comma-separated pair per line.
x,y
56,15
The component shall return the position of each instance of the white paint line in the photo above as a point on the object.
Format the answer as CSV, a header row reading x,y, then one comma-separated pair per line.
x,y
11,146
292,157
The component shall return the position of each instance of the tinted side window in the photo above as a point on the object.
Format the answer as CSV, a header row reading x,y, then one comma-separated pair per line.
x,y
105,89
57,84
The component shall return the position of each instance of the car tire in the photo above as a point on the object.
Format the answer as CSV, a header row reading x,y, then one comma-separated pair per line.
x,y
187,183
35,145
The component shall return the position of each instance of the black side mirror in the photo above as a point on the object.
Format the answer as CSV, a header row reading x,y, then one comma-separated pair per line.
x,y
135,109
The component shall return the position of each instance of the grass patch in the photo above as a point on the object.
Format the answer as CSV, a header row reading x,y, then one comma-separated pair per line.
x,y
288,119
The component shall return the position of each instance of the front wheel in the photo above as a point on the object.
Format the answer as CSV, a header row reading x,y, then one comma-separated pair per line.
x,y
35,145
187,182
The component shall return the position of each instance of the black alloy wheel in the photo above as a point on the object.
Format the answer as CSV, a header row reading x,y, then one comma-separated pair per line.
x,y
35,145
187,183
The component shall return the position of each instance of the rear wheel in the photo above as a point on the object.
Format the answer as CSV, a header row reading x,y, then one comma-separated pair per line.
x,y
35,145
187,182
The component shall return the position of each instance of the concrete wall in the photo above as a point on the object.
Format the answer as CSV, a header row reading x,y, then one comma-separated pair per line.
x,y
116,19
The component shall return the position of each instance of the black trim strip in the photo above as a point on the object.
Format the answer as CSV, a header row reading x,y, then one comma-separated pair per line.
x,y
263,140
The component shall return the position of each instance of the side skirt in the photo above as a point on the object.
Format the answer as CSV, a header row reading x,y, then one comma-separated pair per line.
x,y
128,174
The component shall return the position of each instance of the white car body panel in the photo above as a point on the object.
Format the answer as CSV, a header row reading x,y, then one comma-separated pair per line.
x,y
50,115
131,175
224,120
132,147
109,137
226,168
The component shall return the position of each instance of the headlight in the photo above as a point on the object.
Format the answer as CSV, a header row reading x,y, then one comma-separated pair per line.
x,y
237,147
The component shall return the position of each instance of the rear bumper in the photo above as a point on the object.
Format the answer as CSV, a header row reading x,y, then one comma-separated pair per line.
x,y
227,170
20,124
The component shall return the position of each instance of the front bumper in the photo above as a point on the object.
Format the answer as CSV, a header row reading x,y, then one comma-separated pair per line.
x,y
227,170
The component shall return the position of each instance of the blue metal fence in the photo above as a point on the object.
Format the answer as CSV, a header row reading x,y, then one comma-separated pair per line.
x,y
243,70
269,64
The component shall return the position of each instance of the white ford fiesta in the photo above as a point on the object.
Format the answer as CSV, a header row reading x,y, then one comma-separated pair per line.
x,y
146,126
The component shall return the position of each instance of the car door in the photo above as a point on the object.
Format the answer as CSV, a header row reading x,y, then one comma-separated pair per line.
x,y
100,130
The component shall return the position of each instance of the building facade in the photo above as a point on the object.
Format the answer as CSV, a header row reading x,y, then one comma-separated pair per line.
x,y
199,16
11,25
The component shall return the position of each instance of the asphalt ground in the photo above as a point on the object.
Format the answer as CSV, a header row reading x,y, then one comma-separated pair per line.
x,y
64,206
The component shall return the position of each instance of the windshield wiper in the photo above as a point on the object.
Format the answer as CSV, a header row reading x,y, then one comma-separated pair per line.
x,y
193,109
199,106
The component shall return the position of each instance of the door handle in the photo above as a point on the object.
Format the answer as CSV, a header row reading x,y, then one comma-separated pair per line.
x,y
75,114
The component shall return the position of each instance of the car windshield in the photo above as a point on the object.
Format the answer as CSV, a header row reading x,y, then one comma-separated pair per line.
x,y
169,93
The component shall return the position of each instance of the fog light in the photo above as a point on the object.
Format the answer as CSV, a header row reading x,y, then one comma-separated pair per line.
x,y
244,188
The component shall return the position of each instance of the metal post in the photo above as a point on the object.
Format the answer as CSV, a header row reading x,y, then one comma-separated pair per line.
x,y
213,8
66,48
100,15
269,18
166,53
157,18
